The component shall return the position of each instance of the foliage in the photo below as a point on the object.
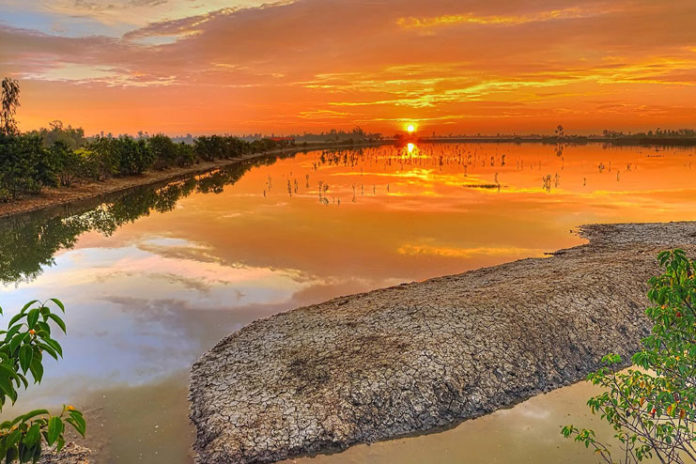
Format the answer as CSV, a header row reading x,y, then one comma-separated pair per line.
x,y
223,147
24,165
68,163
9,101
185,155
652,407
122,156
62,155
168,154
164,150
26,340
73,138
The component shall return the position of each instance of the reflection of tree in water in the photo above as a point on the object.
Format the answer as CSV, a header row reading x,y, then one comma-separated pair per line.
x,y
28,242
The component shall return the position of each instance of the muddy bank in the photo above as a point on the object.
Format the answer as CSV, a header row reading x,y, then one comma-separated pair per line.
x,y
422,356
72,453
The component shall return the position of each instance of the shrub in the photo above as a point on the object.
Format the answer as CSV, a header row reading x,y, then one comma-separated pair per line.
x,y
132,156
68,163
652,408
164,151
72,137
24,165
185,155
26,340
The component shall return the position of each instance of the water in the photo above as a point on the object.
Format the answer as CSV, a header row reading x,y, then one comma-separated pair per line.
x,y
154,277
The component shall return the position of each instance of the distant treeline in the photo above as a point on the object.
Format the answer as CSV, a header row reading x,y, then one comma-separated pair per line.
x,y
626,140
61,156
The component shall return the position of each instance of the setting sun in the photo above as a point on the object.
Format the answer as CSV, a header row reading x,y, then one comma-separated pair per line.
x,y
411,128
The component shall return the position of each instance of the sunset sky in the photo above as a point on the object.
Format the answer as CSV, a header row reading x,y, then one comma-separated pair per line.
x,y
240,66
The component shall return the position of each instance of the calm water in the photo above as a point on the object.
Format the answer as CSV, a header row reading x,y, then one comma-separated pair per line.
x,y
153,278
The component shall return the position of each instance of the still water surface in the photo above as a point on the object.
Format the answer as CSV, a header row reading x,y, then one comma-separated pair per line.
x,y
154,277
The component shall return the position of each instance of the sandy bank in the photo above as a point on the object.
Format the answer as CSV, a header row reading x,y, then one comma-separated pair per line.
x,y
426,355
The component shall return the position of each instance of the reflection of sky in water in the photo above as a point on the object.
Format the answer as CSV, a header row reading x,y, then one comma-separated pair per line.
x,y
135,312
146,301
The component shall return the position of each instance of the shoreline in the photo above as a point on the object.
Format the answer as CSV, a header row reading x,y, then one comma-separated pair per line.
x,y
421,357
63,196
51,197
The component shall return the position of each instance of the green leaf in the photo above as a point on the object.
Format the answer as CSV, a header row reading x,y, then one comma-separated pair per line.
x,y
58,303
59,322
80,423
17,340
32,436
26,306
55,429
55,345
16,318
33,317
36,369
34,413
26,354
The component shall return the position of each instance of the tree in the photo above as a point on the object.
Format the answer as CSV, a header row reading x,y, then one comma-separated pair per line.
x,y
164,150
652,406
23,165
26,341
10,102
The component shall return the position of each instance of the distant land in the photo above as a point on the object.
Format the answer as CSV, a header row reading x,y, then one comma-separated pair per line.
x,y
658,137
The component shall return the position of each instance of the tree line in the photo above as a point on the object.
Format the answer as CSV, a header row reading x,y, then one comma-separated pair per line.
x,y
62,156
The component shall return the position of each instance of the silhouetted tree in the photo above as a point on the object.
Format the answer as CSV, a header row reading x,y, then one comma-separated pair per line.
x,y
10,102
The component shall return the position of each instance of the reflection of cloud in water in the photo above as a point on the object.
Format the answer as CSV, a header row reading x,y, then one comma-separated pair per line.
x,y
453,252
148,299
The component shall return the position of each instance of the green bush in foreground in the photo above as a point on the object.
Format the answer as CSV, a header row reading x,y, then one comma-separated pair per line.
x,y
652,407
26,340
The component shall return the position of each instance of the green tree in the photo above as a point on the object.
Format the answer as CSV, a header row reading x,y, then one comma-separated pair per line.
x,y
67,162
652,406
164,151
24,166
73,138
132,156
26,341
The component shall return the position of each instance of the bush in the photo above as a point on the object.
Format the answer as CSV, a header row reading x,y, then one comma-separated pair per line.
x,y
25,165
26,340
164,151
652,408
68,163
132,156
218,147
73,138
122,156
185,155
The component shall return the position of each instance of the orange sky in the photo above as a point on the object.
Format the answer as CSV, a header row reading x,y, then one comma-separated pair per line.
x,y
242,66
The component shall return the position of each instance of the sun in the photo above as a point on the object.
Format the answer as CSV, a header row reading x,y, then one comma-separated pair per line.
x,y
411,128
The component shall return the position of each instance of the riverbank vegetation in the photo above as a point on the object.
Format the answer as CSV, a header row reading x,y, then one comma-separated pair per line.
x,y
652,407
62,156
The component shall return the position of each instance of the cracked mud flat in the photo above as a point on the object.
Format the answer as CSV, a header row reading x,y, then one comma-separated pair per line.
x,y
422,356
71,454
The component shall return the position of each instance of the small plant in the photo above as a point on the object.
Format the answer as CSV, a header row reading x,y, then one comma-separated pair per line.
x,y
26,340
652,407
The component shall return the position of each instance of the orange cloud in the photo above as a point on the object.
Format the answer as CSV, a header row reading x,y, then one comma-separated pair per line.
x,y
473,66
448,20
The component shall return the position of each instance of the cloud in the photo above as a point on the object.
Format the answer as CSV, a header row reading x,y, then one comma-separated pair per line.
x,y
309,62
502,20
